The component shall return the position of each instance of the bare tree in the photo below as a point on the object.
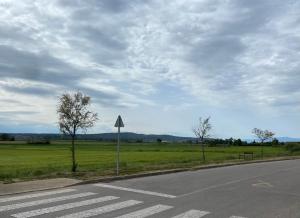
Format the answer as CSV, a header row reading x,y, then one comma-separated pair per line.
x,y
262,135
74,116
202,132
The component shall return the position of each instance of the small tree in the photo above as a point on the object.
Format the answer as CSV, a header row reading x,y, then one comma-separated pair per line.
x,y
202,132
275,142
263,135
4,137
238,142
74,116
230,141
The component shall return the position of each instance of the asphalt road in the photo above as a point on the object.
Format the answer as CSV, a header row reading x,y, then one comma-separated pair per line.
x,y
263,190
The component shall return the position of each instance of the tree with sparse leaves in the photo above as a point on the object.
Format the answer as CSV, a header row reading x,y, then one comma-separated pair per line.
x,y
202,131
74,116
262,135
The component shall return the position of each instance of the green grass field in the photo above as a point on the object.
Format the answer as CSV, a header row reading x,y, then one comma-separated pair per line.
x,y
20,161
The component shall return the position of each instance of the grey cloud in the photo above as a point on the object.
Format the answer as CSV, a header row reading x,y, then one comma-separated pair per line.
x,y
35,66
288,84
105,37
207,36
108,99
103,98
44,68
30,90
14,102
108,6
216,52
215,59
115,6
12,33
286,102
104,45
232,53
251,16
15,112
220,48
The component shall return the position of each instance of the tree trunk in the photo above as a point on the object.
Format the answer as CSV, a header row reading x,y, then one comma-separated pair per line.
x,y
262,149
202,148
203,153
74,165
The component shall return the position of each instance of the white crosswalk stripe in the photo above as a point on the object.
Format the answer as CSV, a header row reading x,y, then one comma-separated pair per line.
x,y
63,207
49,197
44,201
104,209
192,214
35,195
135,190
147,211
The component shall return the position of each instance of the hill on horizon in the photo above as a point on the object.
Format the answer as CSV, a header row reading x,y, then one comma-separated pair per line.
x,y
126,136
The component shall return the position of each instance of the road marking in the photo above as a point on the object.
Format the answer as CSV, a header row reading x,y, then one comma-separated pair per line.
x,y
212,187
135,190
35,195
238,180
102,210
44,201
263,184
147,211
237,217
63,207
192,214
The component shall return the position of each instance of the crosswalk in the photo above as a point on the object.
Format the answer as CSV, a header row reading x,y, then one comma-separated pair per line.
x,y
192,213
147,211
71,203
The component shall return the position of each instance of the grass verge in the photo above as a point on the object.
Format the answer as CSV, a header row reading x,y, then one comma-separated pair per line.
x,y
20,161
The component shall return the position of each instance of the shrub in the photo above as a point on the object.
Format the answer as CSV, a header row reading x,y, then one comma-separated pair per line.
x,y
293,147
38,142
6,137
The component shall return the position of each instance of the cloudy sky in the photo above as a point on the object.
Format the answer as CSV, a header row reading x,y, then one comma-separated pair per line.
x,y
160,64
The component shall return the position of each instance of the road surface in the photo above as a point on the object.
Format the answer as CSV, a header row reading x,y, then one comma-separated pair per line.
x,y
261,190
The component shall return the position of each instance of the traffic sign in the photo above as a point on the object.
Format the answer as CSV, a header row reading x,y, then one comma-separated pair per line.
x,y
119,122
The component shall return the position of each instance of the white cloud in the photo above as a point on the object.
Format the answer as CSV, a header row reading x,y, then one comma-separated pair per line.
x,y
220,53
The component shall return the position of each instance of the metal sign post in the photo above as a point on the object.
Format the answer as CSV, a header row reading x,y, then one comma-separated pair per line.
x,y
119,124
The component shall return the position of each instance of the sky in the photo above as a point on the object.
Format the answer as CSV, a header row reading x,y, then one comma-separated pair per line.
x,y
160,64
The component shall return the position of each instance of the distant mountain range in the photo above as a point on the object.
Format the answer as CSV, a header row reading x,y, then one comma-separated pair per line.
x,y
128,136
288,139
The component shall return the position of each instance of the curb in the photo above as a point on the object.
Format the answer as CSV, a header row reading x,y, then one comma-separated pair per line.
x,y
34,190
163,172
31,186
